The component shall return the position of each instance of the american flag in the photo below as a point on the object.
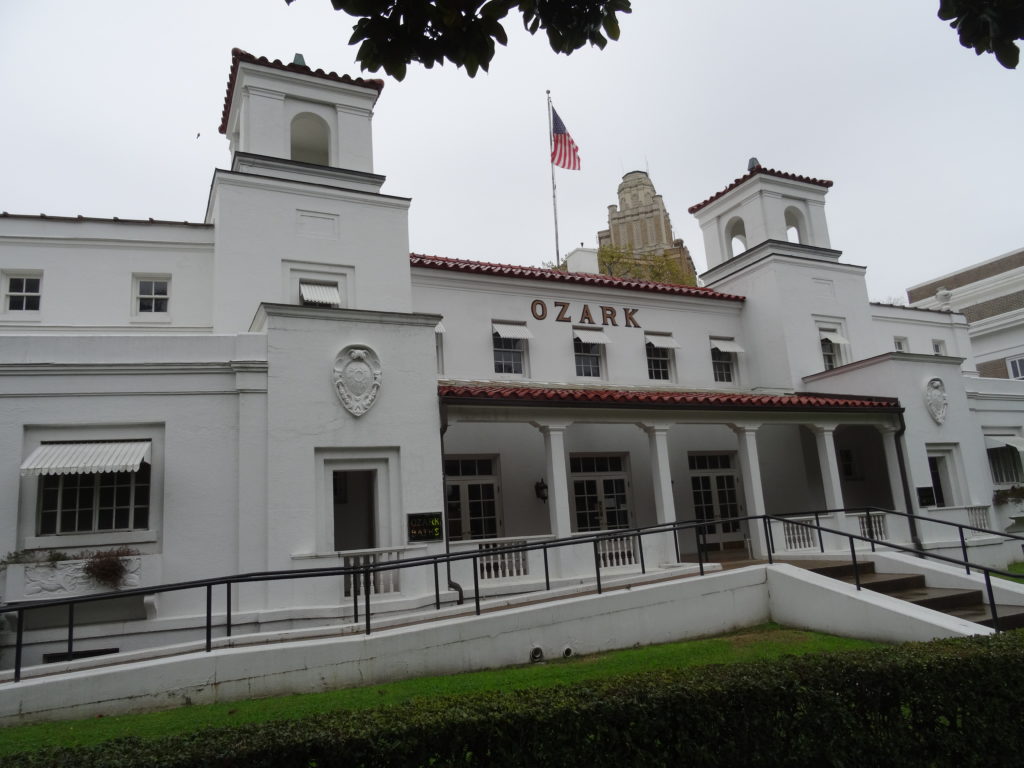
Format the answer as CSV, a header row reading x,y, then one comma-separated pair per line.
x,y
565,153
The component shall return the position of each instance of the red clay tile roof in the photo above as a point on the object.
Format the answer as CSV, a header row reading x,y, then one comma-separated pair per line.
x,y
115,219
238,55
751,174
641,398
542,273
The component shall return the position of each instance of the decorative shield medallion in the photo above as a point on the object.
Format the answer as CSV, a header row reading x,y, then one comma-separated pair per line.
x,y
936,400
357,378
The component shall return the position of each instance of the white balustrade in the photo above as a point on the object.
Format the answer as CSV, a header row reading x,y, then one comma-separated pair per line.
x,y
381,582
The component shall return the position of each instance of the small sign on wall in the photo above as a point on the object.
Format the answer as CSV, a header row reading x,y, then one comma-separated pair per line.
x,y
425,526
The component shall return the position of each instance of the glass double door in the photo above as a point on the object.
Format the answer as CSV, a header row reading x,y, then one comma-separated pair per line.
x,y
471,498
600,492
716,499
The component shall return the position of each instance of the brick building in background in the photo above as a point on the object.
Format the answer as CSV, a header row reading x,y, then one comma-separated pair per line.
x,y
990,295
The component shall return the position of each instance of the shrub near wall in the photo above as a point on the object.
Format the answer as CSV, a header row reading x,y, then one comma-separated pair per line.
x,y
950,702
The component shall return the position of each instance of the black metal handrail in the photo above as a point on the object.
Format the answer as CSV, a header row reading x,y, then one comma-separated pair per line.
x,y
363,574
987,570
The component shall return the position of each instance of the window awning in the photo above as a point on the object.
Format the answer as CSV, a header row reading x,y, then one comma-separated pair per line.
x,y
588,336
322,294
1000,441
661,341
726,345
86,458
511,331
834,337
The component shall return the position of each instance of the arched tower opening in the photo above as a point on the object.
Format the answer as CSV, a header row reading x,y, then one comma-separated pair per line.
x,y
736,236
310,139
796,227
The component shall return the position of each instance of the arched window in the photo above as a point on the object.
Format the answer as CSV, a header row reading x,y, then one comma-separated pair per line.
x,y
795,230
736,235
311,139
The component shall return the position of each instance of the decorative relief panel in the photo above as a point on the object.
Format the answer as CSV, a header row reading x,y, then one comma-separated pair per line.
x,y
68,578
936,400
357,378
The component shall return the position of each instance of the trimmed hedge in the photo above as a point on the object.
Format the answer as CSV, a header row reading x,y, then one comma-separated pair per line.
x,y
948,702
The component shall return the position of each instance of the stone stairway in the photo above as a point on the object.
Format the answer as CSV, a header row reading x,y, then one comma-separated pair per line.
x,y
968,604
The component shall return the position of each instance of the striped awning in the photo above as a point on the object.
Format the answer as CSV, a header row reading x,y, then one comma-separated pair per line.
x,y
834,337
661,341
87,458
1000,441
511,331
726,345
321,294
590,337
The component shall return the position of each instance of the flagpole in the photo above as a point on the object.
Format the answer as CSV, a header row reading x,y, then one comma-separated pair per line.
x,y
554,195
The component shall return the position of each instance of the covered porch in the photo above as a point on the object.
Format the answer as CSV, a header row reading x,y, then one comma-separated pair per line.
x,y
527,464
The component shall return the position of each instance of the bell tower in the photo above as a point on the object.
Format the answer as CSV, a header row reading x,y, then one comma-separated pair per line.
x,y
763,205
291,112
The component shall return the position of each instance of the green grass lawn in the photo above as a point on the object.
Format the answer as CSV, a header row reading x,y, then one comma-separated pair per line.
x,y
764,642
1014,568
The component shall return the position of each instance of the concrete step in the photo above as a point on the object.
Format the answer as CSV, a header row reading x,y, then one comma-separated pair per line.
x,y
1010,616
890,582
842,570
939,599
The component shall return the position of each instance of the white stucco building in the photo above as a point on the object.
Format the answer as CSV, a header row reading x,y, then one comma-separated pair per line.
x,y
284,386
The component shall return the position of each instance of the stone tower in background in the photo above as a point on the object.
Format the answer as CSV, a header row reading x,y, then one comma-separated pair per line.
x,y
640,225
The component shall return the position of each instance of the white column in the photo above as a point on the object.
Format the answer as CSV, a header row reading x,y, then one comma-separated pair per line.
x,y
753,492
824,436
662,545
559,509
892,466
661,473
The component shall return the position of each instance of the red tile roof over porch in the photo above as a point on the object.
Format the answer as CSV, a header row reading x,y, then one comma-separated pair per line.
x,y
483,394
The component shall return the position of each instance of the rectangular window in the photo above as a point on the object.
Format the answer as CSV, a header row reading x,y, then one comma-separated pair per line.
x,y
588,358
900,344
938,347
600,494
88,503
722,364
24,294
1005,465
660,355
659,363
1016,366
152,295
508,355
944,469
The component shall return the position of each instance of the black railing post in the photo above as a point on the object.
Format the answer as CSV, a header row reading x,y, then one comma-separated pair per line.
x,y
640,546
437,588
71,629
597,566
547,573
18,642
963,549
675,540
769,542
227,606
366,597
353,580
700,550
856,570
476,585
991,599
817,524
209,617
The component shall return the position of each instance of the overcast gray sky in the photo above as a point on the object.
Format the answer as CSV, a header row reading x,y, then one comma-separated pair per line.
x,y
101,102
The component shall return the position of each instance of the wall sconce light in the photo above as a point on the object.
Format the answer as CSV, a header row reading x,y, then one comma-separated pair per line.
x,y
541,489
